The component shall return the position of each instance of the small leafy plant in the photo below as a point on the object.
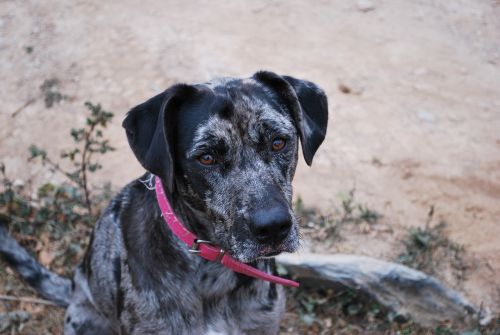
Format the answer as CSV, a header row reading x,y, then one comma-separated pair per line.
x,y
50,89
356,212
89,142
429,248
327,228
57,219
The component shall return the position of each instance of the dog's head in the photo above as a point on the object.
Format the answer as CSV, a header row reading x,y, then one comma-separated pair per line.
x,y
227,151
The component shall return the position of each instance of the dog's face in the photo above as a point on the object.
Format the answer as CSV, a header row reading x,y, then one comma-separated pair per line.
x,y
227,151
236,158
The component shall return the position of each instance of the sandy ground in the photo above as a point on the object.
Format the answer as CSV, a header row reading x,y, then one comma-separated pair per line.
x,y
422,129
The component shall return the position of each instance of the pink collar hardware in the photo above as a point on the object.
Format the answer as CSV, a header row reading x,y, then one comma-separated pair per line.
x,y
207,249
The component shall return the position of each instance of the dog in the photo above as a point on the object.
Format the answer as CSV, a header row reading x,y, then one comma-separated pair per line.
x,y
225,152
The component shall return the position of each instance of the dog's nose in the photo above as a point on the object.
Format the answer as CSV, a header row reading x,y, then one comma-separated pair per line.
x,y
271,226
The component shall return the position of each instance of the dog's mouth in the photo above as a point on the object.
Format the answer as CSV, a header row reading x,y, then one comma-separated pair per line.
x,y
249,250
269,254
260,255
268,251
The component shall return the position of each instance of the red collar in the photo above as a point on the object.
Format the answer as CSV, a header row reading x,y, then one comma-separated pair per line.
x,y
207,249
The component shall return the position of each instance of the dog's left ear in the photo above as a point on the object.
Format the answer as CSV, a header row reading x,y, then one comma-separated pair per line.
x,y
308,105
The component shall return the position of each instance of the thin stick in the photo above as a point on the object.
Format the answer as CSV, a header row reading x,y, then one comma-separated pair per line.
x,y
26,104
84,167
27,299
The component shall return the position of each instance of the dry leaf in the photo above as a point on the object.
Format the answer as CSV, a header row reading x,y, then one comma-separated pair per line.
x,y
46,255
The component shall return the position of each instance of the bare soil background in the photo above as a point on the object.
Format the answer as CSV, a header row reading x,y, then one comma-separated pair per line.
x,y
413,87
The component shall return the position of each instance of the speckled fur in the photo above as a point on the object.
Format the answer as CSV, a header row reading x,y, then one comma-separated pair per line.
x,y
233,195
136,277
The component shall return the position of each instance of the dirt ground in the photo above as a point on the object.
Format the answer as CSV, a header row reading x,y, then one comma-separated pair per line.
x,y
420,126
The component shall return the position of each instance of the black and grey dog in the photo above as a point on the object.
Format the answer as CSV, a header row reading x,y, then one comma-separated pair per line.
x,y
226,152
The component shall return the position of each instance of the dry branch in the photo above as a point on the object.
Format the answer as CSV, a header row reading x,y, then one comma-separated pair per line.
x,y
403,290
28,300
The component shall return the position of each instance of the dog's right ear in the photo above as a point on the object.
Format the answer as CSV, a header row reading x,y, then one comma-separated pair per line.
x,y
149,131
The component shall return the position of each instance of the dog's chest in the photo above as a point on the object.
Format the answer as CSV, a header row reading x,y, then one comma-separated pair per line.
x,y
239,306
224,315
245,314
211,300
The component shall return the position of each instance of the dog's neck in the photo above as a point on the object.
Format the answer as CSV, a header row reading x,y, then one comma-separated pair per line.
x,y
194,220
197,222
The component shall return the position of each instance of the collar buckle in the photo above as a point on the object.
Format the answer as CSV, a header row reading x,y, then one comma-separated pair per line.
x,y
195,247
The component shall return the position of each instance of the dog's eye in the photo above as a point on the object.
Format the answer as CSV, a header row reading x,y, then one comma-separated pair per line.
x,y
278,144
206,159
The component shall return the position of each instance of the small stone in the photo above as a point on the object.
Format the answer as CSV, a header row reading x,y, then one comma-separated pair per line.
x,y
407,175
426,116
377,162
18,183
365,5
365,228
351,87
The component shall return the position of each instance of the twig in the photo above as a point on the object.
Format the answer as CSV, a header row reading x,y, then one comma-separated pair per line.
x,y
27,299
26,104
56,167
430,215
84,167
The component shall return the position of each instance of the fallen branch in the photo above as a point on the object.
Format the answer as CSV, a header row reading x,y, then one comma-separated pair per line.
x,y
405,291
28,300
